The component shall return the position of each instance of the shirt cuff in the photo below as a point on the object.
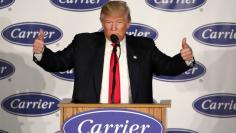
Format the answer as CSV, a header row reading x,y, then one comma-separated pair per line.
x,y
190,63
38,56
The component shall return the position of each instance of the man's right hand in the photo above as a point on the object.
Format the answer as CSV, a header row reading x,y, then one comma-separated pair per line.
x,y
38,45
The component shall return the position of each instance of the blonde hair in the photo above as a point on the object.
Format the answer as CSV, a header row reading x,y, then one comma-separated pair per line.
x,y
115,8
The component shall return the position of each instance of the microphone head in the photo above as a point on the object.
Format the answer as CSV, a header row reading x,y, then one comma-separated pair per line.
x,y
114,38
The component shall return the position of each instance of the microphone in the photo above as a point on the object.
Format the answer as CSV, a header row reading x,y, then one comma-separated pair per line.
x,y
114,38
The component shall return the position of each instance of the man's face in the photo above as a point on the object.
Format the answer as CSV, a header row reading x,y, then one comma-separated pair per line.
x,y
115,25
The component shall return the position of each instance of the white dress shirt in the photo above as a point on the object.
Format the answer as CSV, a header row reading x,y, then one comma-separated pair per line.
x,y
124,73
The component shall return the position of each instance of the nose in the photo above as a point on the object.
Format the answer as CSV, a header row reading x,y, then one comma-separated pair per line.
x,y
113,27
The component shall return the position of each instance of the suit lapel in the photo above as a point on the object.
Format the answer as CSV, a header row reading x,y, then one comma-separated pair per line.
x,y
99,59
133,58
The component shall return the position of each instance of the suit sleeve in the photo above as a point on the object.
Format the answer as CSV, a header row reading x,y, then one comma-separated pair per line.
x,y
60,60
163,64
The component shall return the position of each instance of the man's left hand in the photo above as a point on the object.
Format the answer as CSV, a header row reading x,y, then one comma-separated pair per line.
x,y
186,51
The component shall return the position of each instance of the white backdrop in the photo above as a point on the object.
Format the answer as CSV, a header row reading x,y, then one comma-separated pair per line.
x,y
215,74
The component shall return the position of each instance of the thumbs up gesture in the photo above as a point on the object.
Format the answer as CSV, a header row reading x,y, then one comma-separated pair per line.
x,y
38,45
186,51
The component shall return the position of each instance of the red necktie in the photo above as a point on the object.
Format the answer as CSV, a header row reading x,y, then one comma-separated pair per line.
x,y
116,98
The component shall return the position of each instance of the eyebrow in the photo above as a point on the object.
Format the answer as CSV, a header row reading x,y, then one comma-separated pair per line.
x,y
119,19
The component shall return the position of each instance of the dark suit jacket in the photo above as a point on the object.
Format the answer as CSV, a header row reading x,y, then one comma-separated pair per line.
x,y
86,54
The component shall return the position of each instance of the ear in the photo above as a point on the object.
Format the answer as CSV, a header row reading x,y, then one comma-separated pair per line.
x,y
102,23
128,25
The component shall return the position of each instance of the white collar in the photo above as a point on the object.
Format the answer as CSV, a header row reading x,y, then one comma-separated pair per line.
x,y
122,42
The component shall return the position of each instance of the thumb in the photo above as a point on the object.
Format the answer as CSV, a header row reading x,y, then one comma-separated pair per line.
x,y
184,43
41,35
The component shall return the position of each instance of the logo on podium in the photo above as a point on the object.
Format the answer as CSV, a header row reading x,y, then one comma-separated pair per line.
x,y
112,121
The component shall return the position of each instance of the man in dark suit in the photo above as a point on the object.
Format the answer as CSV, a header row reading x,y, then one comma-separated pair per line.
x,y
89,55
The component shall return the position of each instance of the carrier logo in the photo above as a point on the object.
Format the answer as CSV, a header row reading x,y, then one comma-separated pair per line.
x,y
179,130
175,5
25,33
79,5
112,121
216,105
136,29
216,34
194,73
67,75
1,131
6,3
30,104
6,69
